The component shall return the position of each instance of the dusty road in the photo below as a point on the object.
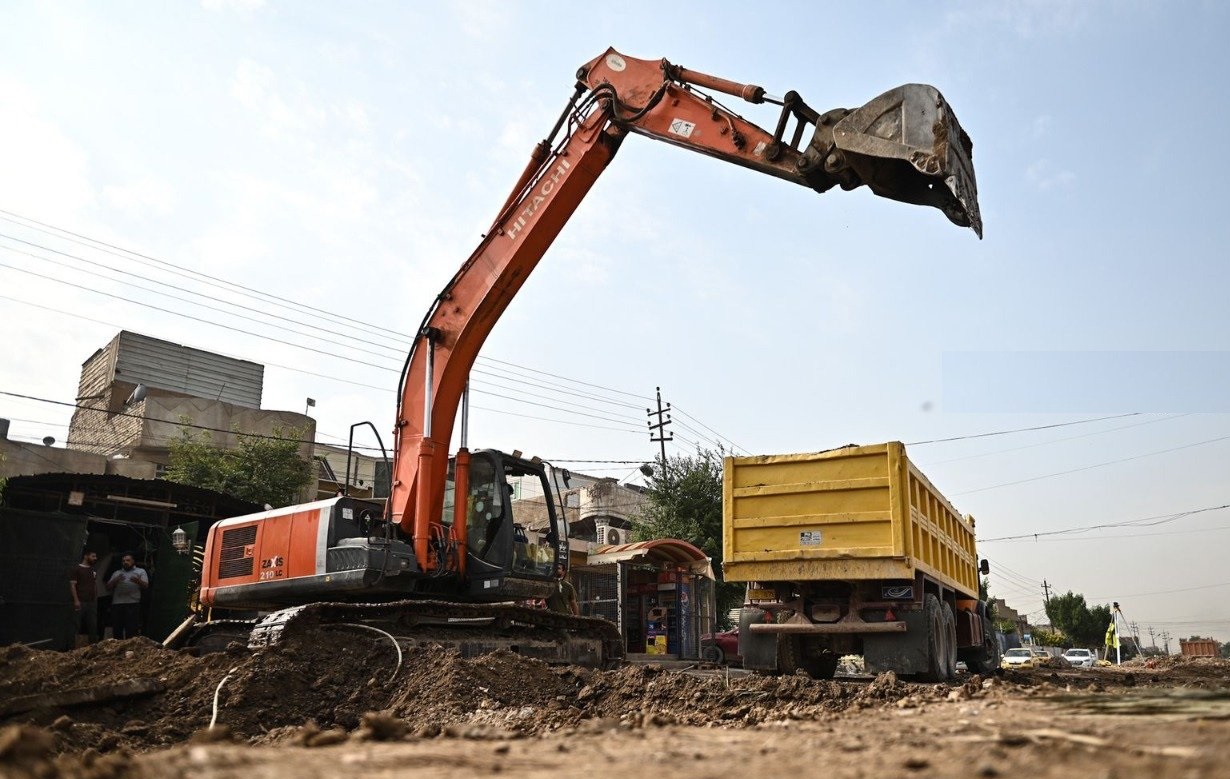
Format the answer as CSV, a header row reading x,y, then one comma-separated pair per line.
x,y
310,710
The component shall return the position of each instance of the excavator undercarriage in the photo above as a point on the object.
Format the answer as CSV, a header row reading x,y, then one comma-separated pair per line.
x,y
470,628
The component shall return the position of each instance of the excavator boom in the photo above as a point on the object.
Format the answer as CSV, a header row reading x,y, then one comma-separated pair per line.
x,y
315,561
905,145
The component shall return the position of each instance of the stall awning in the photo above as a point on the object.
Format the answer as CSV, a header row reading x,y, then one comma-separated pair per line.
x,y
664,550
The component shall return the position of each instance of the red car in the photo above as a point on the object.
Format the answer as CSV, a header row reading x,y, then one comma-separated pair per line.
x,y
721,647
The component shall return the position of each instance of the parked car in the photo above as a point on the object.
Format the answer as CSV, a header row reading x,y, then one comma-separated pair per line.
x,y
721,647
1079,658
1021,657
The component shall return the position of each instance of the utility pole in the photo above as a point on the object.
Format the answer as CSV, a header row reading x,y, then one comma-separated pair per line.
x,y
657,430
1152,640
1166,642
1046,591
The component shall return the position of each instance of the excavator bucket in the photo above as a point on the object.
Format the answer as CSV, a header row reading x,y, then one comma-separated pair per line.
x,y
906,145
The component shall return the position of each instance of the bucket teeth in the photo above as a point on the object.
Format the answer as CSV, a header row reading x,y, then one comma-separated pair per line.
x,y
907,145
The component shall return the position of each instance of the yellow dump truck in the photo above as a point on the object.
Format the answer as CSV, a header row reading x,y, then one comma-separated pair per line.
x,y
852,551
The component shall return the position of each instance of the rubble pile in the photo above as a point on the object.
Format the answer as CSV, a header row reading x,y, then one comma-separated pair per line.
x,y
134,695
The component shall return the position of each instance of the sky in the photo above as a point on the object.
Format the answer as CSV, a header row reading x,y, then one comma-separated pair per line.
x,y
293,183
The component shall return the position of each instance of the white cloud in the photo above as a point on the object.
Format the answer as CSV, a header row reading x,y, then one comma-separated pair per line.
x,y
1045,175
1042,125
239,6
141,197
43,171
484,19
1026,18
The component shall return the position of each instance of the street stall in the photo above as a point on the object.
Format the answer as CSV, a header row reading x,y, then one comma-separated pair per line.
x,y
662,591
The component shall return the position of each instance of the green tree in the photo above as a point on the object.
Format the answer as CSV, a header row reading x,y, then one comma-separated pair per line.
x,y
685,502
1225,649
1070,614
263,469
1043,637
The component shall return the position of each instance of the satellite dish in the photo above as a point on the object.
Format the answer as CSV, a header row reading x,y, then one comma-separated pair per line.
x,y
137,395
49,440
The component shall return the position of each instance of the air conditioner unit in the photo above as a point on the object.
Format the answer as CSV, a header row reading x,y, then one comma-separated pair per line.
x,y
610,535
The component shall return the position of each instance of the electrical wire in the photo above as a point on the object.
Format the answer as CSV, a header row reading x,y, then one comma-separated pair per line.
x,y
1095,465
1057,440
1152,521
264,297
96,274
1020,430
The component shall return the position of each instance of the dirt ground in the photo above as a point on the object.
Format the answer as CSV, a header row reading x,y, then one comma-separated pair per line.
x,y
343,705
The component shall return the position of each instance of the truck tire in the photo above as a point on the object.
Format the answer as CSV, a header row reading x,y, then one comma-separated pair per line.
x,y
985,660
937,641
950,634
793,656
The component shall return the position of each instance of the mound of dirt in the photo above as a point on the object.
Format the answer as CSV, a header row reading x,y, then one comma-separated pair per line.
x,y
329,686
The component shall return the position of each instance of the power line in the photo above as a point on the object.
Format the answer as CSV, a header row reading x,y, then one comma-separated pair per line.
x,y
339,379
265,297
1161,592
1057,440
1143,522
1096,465
211,298
1021,430
195,318
1137,535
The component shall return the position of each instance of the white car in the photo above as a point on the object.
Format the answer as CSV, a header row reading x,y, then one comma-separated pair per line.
x,y
1079,658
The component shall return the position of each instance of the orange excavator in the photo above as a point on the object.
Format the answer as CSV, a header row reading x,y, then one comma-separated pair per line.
x,y
445,556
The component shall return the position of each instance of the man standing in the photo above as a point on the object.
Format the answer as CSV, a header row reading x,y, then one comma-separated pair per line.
x,y
83,586
126,586
563,597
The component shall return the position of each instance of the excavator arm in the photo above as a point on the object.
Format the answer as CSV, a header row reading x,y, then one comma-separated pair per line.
x,y
904,145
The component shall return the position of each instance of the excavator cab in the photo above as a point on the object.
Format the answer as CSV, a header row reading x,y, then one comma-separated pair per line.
x,y
514,537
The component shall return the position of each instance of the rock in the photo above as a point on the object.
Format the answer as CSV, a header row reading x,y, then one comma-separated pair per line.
x,y
326,738
23,743
381,726
916,763
63,723
212,735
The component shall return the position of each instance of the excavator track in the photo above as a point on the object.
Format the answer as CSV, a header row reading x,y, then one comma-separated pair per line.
x,y
473,629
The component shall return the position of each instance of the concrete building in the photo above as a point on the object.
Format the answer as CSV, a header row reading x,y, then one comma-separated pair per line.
x,y
136,393
369,476
18,458
597,509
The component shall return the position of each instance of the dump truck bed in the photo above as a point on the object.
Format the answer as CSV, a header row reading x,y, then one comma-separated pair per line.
x,y
856,513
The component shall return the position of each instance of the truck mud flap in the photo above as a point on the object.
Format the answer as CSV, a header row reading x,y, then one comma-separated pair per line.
x,y
759,650
902,653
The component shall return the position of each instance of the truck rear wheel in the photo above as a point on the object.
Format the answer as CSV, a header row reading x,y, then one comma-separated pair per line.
x,y
985,660
937,641
950,636
794,654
